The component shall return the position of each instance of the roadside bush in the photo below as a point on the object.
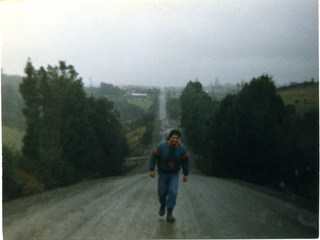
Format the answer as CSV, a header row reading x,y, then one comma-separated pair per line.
x,y
147,135
12,185
301,154
17,182
55,172
31,185
148,121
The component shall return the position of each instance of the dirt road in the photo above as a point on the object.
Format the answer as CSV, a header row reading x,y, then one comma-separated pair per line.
x,y
127,208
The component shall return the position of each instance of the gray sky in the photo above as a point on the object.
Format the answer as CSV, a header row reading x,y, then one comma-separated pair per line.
x,y
164,42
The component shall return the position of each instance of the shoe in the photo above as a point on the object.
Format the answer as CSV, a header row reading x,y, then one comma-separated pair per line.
x,y
170,218
162,210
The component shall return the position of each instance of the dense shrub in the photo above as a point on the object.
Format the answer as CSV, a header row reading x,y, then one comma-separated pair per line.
x,y
11,183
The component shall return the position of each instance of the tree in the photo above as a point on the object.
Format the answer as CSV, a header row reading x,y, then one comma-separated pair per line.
x,y
186,100
223,135
197,107
69,136
260,112
111,147
109,89
252,123
31,140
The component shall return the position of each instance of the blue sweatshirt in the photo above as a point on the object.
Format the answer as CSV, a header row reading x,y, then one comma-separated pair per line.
x,y
170,158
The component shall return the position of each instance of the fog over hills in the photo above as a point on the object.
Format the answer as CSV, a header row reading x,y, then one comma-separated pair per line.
x,y
164,43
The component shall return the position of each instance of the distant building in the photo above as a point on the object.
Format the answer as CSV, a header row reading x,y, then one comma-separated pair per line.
x,y
139,94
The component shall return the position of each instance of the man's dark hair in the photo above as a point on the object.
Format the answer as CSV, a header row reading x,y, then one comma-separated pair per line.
x,y
174,132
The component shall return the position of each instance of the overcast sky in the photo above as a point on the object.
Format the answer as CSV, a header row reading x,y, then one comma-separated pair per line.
x,y
164,42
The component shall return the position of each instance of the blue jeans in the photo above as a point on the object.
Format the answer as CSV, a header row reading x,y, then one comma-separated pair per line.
x,y
168,188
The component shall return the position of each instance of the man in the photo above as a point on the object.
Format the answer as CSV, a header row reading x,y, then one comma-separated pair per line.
x,y
169,156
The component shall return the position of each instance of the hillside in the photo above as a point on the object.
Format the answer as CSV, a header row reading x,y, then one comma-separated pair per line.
x,y
12,102
130,109
304,96
12,137
13,80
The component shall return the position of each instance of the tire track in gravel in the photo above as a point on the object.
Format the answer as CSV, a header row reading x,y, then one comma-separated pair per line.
x,y
127,208
65,214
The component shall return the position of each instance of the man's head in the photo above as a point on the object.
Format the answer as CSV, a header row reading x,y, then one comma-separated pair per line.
x,y
174,136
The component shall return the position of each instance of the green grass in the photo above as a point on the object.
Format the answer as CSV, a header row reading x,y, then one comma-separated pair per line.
x,y
12,138
141,102
304,97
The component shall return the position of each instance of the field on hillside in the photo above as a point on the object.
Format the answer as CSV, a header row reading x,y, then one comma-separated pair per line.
x,y
12,138
144,103
305,97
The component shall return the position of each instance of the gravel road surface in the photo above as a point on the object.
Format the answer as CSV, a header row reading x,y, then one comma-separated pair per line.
x,y
127,208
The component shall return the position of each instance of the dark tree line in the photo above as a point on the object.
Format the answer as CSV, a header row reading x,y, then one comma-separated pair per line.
x,y
253,136
105,89
68,135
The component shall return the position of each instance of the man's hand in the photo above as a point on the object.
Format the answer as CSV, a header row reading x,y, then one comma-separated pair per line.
x,y
185,178
152,174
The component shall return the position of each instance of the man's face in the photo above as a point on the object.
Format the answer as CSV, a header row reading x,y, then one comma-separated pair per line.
x,y
174,139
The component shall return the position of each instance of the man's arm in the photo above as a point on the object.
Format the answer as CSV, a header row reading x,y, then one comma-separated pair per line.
x,y
152,163
185,167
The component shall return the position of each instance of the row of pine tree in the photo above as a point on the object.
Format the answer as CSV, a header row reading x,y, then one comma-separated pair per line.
x,y
253,136
69,136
